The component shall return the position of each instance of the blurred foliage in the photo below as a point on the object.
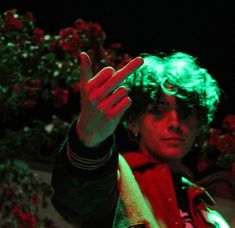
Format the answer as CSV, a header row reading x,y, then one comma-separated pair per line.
x,y
39,96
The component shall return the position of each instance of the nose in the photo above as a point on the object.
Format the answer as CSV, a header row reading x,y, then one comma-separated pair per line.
x,y
174,121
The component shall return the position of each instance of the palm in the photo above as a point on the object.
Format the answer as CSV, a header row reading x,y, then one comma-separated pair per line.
x,y
102,102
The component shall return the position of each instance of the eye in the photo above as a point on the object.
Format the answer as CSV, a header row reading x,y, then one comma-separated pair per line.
x,y
153,110
156,111
185,111
184,114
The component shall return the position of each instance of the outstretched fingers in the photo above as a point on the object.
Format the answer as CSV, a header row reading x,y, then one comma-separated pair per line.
x,y
116,104
120,75
130,67
120,107
100,78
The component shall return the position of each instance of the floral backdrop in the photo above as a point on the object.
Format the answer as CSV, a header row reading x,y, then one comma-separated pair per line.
x,y
39,90
39,96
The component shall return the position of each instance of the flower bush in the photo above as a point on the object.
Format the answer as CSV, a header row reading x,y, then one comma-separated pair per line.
x,y
218,148
37,142
22,196
39,96
39,76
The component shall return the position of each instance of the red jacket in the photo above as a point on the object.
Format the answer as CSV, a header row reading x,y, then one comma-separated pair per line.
x,y
97,198
156,184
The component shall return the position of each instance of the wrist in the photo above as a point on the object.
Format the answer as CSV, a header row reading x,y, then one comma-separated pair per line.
x,y
86,139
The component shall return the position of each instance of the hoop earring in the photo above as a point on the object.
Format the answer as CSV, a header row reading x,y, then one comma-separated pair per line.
x,y
134,137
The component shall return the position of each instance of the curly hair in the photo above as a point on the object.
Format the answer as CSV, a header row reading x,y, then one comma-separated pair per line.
x,y
176,74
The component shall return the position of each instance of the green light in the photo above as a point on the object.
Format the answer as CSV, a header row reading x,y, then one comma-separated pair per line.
x,y
215,218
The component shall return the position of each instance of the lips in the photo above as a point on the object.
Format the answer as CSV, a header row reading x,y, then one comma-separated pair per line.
x,y
174,139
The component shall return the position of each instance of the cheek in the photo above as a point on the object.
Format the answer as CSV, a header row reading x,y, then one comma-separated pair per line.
x,y
193,135
147,128
192,132
151,132
192,125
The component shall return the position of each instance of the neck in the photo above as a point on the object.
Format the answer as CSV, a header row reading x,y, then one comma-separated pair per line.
x,y
174,164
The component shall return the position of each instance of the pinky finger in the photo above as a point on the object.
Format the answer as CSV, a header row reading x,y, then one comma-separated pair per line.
x,y
119,109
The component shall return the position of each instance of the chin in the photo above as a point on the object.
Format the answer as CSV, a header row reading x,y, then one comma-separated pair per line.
x,y
174,154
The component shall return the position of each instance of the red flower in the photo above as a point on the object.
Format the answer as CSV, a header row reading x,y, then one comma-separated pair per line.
x,y
229,123
76,87
35,200
38,35
68,34
70,41
12,21
16,210
214,136
28,219
81,25
95,29
29,16
226,144
61,96
53,45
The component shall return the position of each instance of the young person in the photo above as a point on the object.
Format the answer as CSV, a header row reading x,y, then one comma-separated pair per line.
x,y
166,102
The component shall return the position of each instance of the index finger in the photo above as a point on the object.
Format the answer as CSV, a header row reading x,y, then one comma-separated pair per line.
x,y
85,67
129,68
123,73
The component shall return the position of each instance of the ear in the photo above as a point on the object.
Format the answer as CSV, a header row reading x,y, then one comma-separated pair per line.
x,y
133,127
201,129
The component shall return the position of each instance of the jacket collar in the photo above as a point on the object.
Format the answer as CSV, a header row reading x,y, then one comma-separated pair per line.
x,y
138,159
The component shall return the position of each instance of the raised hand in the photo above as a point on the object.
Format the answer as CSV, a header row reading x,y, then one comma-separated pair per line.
x,y
103,102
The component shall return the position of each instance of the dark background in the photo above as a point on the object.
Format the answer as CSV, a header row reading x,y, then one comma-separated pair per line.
x,y
205,30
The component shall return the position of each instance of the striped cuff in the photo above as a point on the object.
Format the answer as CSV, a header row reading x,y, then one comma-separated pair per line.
x,y
86,163
84,157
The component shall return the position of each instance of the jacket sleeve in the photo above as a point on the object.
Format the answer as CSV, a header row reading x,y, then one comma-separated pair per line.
x,y
84,181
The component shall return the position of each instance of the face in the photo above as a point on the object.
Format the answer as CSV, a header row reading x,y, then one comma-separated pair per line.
x,y
168,130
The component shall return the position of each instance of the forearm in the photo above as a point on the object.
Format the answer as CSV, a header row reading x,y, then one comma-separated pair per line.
x,y
84,180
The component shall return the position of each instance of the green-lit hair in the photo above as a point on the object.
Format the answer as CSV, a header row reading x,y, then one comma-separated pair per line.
x,y
177,74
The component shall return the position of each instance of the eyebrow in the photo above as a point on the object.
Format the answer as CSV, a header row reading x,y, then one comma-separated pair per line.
x,y
163,102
